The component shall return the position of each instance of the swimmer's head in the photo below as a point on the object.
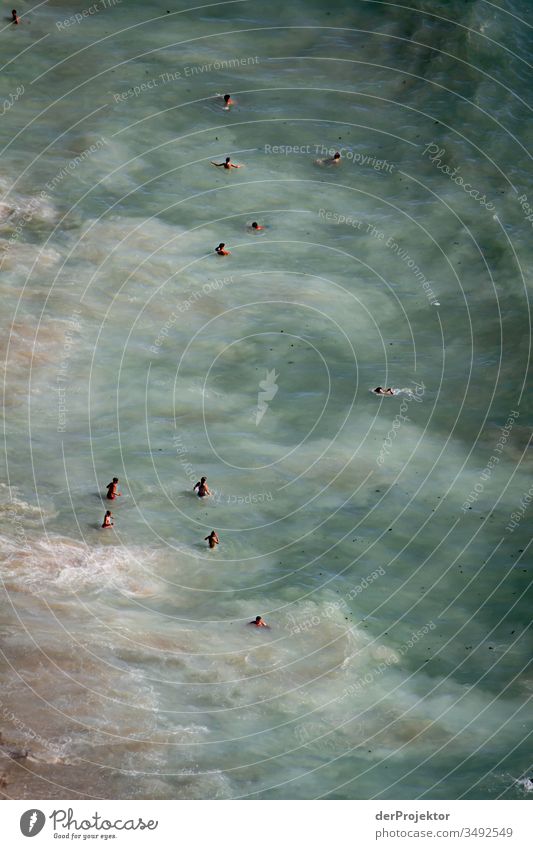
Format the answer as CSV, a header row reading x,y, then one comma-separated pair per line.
x,y
228,159
258,618
255,225
115,480
337,156
108,512
203,480
377,389
227,97
222,245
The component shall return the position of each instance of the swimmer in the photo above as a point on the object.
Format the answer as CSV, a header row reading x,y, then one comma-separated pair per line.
x,y
112,489
255,227
228,101
212,539
380,391
228,164
14,17
107,520
202,488
334,160
221,250
259,622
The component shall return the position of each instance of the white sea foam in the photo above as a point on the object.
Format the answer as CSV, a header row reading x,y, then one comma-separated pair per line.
x,y
58,564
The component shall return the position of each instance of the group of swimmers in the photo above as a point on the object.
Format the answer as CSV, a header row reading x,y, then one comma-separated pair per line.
x,y
221,249
228,165
212,539
112,493
201,486
204,490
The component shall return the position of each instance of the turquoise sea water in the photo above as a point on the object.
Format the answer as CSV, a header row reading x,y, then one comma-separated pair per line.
x,y
385,540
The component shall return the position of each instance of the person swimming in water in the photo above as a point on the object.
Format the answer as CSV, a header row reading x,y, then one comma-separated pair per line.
x,y
107,523
212,539
255,227
380,391
228,164
202,488
333,160
228,101
221,250
259,622
112,489
14,17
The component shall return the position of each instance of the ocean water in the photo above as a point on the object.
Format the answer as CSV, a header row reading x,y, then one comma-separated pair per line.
x,y
384,539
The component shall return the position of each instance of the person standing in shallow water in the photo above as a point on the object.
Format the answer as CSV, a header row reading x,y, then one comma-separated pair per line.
x,y
333,160
212,539
107,523
14,17
228,164
112,490
259,622
202,488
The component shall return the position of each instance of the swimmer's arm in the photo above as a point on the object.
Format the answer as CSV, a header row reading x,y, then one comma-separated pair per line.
x,y
235,166
218,164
